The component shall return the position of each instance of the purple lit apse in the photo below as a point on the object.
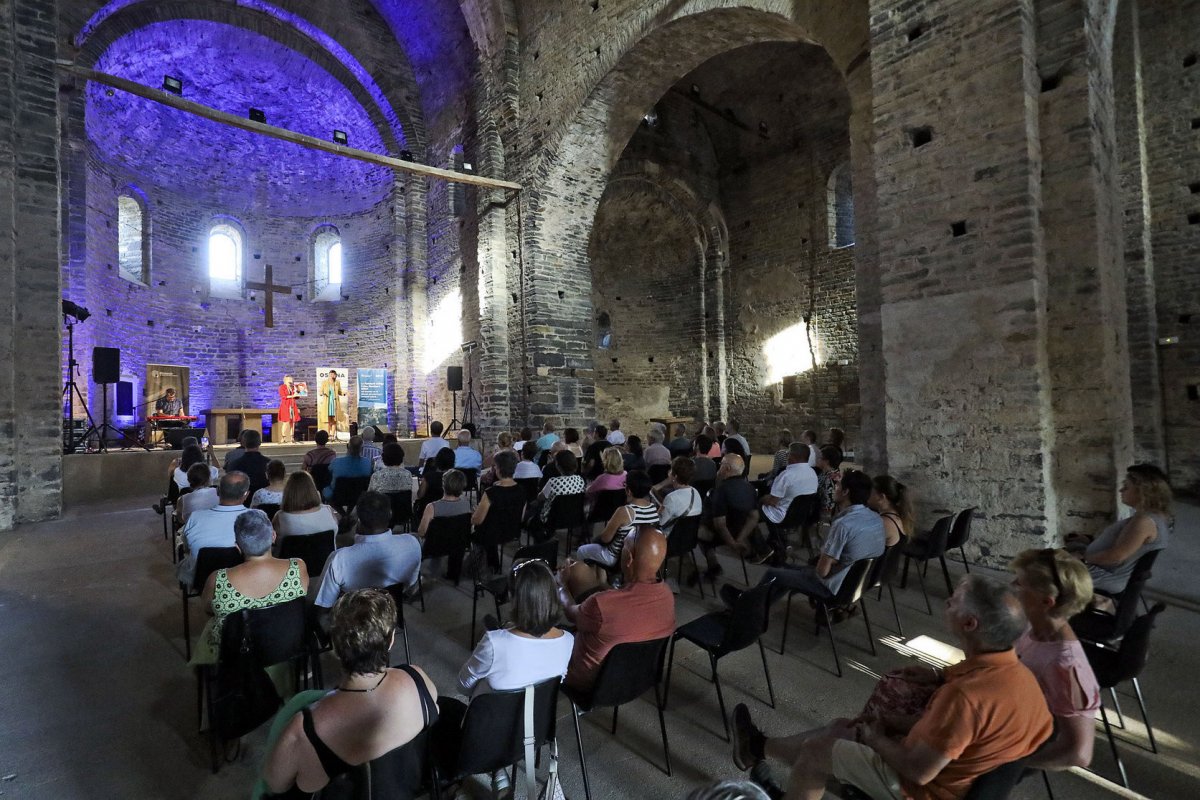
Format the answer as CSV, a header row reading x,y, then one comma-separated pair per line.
x,y
232,69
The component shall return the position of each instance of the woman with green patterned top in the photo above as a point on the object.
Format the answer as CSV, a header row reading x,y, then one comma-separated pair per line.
x,y
258,582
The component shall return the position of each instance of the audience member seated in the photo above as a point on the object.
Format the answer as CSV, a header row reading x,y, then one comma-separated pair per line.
x,y
797,480
433,445
351,465
677,496
253,462
706,467
571,440
261,580
319,455
430,487
524,438
548,437
272,493
378,557
780,462
837,438
613,476
713,450
565,481
1111,556
989,712
656,453
527,467
809,437
371,712
733,433
391,475
1053,587
213,527
681,445
593,456
503,501
301,511
529,650
615,435
857,533
504,442
550,469
192,455
202,493
370,450
829,477
641,610
732,514
640,509
633,453
889,499
235,455
465,456
450,504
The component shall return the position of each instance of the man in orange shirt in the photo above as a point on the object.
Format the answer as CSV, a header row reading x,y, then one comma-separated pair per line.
x,y
642,610
989,711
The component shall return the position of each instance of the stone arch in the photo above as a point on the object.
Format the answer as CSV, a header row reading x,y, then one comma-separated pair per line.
x,y
571,178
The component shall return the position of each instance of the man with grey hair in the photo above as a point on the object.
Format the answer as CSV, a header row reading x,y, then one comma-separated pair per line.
x,y
465,456
656,452
616,437
987,711
681,445
797,480
370,450
213,527
253,533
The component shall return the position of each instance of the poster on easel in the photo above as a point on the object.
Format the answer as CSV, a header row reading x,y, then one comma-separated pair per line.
x,y
333,394
372,397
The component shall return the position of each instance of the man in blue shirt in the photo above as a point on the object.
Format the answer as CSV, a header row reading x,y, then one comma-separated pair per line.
x,y
465,456
351,465
549,437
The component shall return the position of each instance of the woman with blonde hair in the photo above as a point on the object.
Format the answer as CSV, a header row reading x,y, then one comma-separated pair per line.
x,y
613,476
1111,556
1053,586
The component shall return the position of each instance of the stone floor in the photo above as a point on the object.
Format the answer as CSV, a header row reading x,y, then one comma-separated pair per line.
x,y
97,701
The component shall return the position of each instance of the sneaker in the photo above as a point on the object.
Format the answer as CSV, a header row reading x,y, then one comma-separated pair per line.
x,y
158,507
749,743
761,774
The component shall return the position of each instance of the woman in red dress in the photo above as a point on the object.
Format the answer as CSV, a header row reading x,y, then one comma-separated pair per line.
x,y
289,412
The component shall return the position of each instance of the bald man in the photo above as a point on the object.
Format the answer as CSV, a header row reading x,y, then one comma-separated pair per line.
x,y
641,610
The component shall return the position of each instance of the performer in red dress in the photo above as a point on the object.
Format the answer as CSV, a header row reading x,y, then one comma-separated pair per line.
x,y
289,412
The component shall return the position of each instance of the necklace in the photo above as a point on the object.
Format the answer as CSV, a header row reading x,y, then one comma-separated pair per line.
x,y
373,688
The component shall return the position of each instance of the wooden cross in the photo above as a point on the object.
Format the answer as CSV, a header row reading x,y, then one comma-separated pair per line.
x,y
270,289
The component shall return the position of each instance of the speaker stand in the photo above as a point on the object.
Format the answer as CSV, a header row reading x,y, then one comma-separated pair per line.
x,y
454,422
103,428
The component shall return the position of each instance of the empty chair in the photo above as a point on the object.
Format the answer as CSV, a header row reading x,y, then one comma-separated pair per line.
x,y
884,572
925,548
566,514
629,670
208,561
849,594
605,504
402,509
447,537
346,493
313,549
960,533
321,476
685,536
723,632
1125,662
1093,625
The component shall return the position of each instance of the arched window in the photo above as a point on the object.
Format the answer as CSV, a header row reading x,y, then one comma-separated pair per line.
x,y
225,254
840,202
327,264
132,240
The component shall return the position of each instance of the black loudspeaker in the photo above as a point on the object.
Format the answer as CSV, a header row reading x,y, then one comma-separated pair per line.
x,y
106,365
124,399
454,379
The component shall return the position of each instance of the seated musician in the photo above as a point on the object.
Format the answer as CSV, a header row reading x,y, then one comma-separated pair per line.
x,y
169,406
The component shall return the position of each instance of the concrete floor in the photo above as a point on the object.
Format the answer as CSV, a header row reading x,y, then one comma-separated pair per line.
x,y
97,701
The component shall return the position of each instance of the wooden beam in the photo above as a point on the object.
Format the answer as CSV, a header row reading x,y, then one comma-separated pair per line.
x,y
174,101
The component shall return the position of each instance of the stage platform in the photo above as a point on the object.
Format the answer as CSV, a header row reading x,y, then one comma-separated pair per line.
x,y
133,473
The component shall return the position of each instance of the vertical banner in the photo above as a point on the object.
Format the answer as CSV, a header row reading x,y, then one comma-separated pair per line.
x,y
342,394
160,377
373,397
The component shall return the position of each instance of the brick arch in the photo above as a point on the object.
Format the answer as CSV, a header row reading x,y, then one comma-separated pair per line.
x,y
567,184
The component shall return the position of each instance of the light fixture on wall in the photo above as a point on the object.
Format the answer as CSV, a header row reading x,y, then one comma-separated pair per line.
x,y
258,115
173,85
340,137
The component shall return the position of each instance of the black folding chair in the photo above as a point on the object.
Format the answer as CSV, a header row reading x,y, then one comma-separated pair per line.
x,y
397,590
658,472
447,537
628,671
498,586
849,594
1098,626
884,572
270,509
723,632
604,505
795,520
924,549
685,536
960,534
346,492
531,487
566,514
313,549
402,509
321,475
472,476
492,733
208,561
995,785
1125,662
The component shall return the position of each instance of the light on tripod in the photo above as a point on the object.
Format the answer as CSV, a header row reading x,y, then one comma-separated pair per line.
x,y
467,347
74,310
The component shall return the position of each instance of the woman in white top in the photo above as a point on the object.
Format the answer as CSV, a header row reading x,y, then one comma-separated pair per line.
x,y
272,493
192,454
202,494
302,511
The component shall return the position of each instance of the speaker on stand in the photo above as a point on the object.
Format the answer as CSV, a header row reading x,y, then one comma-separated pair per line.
x,y
454,382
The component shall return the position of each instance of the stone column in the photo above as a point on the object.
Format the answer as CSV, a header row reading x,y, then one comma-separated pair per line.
x,y
30,327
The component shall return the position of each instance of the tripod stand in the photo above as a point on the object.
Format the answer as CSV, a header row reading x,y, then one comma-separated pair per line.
x,y
71,392
471,402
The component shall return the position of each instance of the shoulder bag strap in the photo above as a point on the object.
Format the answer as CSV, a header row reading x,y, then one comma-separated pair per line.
x,y
530,739
422,691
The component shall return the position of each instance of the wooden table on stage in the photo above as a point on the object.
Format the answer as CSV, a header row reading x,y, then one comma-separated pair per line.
x,y
670,422
218,421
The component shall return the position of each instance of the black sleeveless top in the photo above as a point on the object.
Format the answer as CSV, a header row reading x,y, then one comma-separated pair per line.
x,y
331,762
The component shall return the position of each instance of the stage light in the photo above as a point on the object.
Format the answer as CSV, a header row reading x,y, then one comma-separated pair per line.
x,y
73,310
406,155
258,115
467,347
173,85
340,137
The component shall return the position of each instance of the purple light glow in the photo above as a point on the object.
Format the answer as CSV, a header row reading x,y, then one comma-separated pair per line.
x,y
301,25
232,69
